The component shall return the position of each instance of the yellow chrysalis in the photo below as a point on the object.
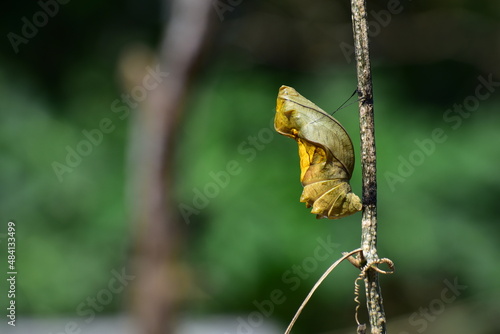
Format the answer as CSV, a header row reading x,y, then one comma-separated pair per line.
x,y
326,155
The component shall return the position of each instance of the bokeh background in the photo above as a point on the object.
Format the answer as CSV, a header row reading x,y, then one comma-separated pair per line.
x,y
250,250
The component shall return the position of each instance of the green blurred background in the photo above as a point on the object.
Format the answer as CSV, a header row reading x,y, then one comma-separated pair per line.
x,y
437,196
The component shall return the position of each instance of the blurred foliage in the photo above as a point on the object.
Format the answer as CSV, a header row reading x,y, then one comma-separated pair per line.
x,y
433,225
439,224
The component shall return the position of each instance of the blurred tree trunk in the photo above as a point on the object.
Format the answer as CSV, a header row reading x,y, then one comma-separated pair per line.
x,y
159,287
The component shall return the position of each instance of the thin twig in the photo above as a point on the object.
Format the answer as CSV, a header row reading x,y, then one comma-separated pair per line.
x,y
320,280
368,164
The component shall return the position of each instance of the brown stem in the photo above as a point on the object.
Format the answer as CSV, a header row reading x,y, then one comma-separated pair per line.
x,y
368,165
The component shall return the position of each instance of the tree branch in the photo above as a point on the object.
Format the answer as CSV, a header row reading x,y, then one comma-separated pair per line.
x,y
368,164
160,286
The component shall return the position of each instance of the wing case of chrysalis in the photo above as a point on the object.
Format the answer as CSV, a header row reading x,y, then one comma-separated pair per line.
x,y
326,155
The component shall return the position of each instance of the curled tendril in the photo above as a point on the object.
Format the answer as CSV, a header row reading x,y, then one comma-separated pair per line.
x,y
356,297
372,265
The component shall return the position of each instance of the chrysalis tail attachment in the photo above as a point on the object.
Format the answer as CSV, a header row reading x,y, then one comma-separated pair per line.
x,y
342,105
